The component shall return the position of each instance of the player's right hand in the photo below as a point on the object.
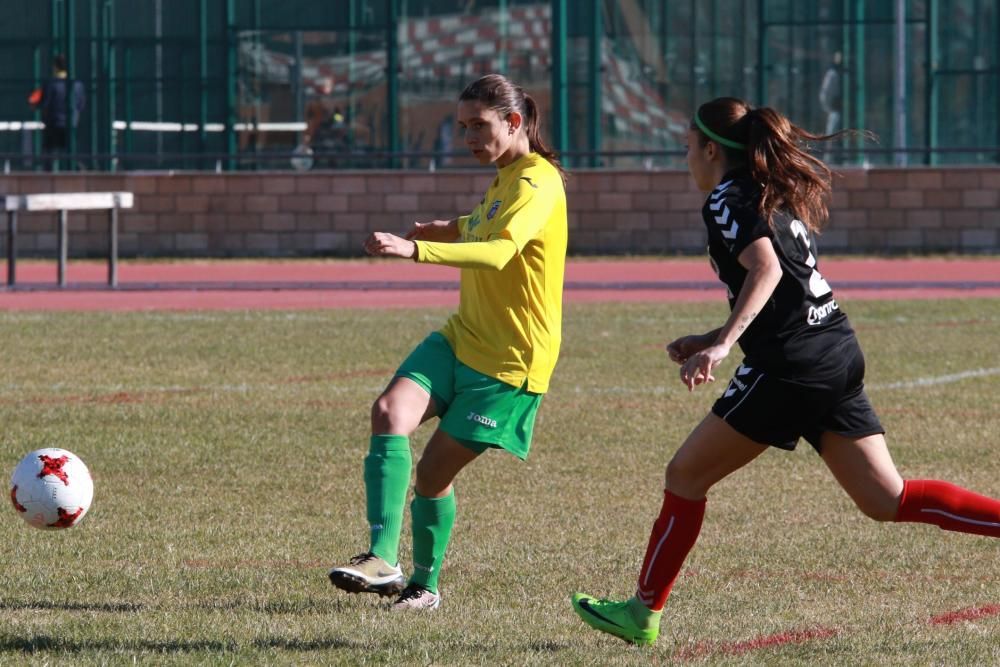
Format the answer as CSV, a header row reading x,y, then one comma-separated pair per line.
x,y
681,349
699,366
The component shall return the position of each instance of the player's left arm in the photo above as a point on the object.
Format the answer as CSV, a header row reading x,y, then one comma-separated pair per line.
x,y
492,255
436,230
489,255
763,276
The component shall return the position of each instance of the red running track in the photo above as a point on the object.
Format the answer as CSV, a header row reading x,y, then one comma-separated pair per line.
x,y
306,284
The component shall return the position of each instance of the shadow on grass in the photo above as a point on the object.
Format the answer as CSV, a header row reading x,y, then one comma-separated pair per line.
x,y
110,607
320,605
317,605
548,646
40,643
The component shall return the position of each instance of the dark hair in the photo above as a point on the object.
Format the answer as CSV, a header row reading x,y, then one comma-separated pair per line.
x,y
500,94
776,151
59,62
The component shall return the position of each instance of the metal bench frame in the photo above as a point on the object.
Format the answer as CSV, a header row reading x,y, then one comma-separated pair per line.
x,y
63,202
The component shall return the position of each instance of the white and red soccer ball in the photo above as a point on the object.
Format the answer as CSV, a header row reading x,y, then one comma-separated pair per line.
x,y
51,489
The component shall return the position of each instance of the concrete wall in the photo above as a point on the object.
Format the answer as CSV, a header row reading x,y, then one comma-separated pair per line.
x,y
918,210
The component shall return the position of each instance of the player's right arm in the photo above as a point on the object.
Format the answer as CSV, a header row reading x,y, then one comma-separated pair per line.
x,y
763,275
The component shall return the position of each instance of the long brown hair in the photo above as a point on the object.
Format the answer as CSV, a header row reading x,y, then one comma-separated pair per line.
x,y
497,92
775,149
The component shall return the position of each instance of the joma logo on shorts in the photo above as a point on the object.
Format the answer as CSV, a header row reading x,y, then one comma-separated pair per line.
x,y
817,315
485,421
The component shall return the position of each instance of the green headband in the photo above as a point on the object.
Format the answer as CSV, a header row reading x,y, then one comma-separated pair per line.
x,y
716,138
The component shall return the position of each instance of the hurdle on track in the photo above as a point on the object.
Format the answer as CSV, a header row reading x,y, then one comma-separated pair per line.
x,y
63,202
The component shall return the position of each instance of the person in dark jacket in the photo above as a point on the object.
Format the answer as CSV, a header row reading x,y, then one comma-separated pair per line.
x,y
56,109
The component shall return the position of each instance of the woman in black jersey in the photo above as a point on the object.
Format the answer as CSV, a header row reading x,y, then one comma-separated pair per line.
x,y
802,372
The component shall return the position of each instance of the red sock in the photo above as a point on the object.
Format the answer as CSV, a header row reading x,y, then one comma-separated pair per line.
x,y
949,507
674,533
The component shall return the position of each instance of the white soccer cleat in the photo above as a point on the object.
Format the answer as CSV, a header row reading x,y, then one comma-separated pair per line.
x,y
416,598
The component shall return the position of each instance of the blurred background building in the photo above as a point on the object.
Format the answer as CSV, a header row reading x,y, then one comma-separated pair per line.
x,y
319,84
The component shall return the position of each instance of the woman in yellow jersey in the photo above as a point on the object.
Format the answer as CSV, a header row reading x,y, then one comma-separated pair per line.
x,y
482,374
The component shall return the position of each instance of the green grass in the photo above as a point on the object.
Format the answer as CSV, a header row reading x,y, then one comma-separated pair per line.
x,y
227,452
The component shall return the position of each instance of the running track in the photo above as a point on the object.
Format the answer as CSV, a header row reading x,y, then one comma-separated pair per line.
x,y
303,284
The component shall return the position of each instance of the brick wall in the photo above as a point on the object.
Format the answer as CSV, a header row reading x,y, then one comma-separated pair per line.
x,y
329,213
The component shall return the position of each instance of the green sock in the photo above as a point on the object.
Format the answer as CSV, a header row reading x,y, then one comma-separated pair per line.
x,y
433,519
387,479
644,617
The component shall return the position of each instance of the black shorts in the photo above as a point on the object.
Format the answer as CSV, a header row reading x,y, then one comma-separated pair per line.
x,y
778,411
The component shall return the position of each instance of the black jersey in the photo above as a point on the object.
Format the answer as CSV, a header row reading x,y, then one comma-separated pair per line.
x,y
799,330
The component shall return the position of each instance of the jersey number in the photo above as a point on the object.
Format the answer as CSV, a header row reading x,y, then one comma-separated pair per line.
x,y
817,284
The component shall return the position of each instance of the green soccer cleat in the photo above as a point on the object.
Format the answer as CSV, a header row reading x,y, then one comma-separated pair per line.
x,y
616,619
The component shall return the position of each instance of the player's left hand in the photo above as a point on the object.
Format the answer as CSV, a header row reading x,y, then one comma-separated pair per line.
x,y
384,244
699,366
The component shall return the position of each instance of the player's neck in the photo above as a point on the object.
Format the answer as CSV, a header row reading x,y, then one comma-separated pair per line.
x,y
720,170
518,149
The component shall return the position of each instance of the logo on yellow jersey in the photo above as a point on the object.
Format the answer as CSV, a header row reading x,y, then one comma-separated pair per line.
x,y
493,210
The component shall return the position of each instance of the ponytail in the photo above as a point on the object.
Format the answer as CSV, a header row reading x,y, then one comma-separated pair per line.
x,y
775,150
535,141
792,179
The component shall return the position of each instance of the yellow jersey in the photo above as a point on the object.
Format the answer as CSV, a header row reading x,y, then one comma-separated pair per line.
x,y
512,252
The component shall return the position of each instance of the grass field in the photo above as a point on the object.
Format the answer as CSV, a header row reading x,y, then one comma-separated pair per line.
x,y
227,452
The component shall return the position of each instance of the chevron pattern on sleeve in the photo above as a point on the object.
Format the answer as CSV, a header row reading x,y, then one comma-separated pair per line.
x,y
723,218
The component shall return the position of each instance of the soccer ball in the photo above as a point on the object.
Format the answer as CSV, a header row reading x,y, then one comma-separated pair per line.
x,y
51,489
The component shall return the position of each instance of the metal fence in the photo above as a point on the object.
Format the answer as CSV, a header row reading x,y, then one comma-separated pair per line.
x,y
319,84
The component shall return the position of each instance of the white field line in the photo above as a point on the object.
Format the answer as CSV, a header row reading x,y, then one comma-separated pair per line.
x,y
935,380
247,388
243,388
902,384
330,387
722,381
621,391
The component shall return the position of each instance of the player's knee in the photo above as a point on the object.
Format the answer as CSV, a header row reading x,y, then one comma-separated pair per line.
x,y
386,418
429,482
423,473
379,414
882,507
683,480
674,472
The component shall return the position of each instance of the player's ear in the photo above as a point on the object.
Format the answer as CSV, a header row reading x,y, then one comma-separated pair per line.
x,y
712,150
514,120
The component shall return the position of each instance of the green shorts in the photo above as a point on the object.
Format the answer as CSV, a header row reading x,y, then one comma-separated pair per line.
x,y
477,410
